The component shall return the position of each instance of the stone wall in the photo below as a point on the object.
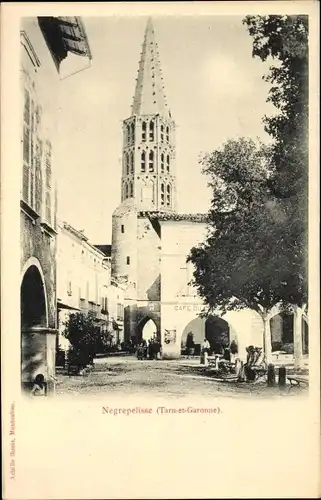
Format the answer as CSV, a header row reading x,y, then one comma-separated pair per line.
x,y
37,244
148,266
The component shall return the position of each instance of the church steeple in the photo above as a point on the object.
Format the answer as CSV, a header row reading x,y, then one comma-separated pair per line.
x,y
148,142
149,93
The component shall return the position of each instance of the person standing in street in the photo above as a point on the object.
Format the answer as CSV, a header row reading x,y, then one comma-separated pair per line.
x,y
205,348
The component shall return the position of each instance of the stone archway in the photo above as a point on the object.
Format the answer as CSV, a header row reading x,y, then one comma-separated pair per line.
x,y
217,332
149,329
197,327
282,333
214,328
146,328
33,310
33,299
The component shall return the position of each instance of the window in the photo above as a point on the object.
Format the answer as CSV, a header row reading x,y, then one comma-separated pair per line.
x,y
126,190
126,161
122,228
168,189
151,161
132,162
104,303
162,163
167,134
128,261
144,131
38,176
127,134
120,312
143,162
162,133
167,163
27,154
131,190
48,210
151,131
162,194
132,132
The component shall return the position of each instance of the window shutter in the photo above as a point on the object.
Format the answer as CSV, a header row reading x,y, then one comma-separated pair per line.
x,y
48,165
48,197
25,183
26,148
38,174
48,207
32,166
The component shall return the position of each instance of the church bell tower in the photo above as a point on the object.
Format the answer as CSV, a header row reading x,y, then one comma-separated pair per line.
x,y
148,166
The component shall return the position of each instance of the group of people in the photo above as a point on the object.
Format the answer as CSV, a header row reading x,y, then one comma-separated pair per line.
x,y
149,350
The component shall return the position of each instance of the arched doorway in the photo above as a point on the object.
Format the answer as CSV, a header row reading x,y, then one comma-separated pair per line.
x,y
197,328
282,333
33,299
146,329
215,329
149,330
33,322
217,332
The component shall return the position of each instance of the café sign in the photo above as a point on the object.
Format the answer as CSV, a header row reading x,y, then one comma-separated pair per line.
x,y
189,307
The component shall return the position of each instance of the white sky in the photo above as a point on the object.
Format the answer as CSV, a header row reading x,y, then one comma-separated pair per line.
x,y
214,89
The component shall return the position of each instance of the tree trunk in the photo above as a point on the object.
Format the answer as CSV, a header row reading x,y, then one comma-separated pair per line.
x,y
297,337
267,340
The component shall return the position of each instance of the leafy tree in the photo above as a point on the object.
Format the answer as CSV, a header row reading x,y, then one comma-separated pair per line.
x,y
85,337
255,252
285,40
239,264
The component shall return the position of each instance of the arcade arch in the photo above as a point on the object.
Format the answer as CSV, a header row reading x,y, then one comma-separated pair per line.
x,y
216,330
282,329
34,321
33,299
146,328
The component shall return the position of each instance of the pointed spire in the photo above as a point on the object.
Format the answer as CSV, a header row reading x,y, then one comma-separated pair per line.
x,y
149,94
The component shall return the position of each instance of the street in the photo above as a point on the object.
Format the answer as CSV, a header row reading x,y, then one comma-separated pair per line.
x,y
177,378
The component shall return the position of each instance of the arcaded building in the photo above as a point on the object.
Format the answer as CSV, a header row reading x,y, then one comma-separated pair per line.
x,y
48,45
151,240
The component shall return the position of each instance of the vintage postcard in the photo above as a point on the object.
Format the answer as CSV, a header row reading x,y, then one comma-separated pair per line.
x,y
160,250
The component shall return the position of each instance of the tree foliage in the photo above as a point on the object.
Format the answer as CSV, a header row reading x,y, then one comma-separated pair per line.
x,y
234,266
285,39
85,336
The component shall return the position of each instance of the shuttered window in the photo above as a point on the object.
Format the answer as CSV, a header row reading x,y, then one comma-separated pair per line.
x,y
38,175
32,163
31,153
48,196
26,148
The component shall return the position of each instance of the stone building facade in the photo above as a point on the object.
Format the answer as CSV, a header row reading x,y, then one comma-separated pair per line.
x,y
151,241
84,284
45,45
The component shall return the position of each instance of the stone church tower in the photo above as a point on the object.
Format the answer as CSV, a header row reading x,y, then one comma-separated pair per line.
x,y
148,172
151,240
148,185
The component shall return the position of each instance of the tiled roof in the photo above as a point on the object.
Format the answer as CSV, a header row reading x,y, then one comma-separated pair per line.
x,y
174,216
149,96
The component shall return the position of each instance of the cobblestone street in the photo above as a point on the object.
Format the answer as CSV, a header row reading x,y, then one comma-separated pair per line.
x,y
179,378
